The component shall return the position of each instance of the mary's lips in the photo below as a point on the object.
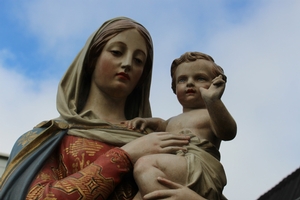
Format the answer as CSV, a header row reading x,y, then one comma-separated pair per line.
x,y
124,75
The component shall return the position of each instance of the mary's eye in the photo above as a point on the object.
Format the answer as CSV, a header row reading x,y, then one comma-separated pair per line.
x,y
139,58
138,61
116,52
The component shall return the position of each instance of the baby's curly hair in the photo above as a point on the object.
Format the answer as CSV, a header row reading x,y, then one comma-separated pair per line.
x,y
190,57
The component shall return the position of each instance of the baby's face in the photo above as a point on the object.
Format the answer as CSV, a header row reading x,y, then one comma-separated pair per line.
x,y
190,76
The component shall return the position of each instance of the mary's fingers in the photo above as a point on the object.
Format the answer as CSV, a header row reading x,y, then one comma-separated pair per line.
x,y
165,136
174,143
158,194
173,150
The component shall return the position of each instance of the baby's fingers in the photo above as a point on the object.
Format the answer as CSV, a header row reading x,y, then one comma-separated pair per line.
x,y
138,124
131,124
143,126
126,123
218,81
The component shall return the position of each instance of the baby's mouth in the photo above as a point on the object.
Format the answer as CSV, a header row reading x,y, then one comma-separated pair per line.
x,y
190,91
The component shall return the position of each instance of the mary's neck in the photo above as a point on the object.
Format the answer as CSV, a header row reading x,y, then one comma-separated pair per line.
x,y
106,108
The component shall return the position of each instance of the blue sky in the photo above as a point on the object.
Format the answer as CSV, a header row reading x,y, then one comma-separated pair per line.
x,y
256,42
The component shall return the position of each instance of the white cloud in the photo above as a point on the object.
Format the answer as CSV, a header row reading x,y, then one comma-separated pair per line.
x,y
25,103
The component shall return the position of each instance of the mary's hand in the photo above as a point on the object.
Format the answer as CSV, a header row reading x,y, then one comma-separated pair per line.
x,y
174,192
154,143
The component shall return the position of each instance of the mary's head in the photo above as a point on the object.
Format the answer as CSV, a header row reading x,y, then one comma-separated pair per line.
x,y
137,103
109,30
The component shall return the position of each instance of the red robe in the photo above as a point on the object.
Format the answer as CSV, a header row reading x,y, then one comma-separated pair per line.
x,y
84,169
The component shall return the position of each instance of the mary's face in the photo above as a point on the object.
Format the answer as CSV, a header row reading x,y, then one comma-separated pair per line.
x,y
120,64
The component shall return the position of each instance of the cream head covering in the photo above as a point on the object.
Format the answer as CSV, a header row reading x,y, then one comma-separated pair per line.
x,y
74,86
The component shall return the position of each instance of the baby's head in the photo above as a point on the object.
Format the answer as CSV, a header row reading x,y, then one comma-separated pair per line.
x,y
190,57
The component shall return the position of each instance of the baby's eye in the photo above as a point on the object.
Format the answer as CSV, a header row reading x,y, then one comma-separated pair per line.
x,y
181,80
200,78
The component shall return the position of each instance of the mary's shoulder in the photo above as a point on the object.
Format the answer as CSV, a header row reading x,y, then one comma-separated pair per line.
x,y
31,135
25,139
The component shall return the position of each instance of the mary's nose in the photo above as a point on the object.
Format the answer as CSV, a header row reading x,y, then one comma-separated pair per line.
x,y
126,68
126,63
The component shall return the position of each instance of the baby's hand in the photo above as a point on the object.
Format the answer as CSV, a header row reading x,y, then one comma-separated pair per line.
x,y
216,89
137,123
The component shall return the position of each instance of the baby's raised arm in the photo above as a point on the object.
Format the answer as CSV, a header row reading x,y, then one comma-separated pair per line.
x,y
223,124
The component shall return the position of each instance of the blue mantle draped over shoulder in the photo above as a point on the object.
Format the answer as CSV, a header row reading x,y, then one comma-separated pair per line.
x,y
28,156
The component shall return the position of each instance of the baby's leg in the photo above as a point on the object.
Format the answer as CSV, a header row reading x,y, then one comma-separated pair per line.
x,y
148,168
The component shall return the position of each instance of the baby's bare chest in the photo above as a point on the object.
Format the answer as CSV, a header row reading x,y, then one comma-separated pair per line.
x,y
195,120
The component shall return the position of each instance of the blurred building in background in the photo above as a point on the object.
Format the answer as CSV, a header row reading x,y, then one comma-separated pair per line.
x,y
3,161
287,189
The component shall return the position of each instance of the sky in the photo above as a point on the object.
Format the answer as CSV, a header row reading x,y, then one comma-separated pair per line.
x,y
256,42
